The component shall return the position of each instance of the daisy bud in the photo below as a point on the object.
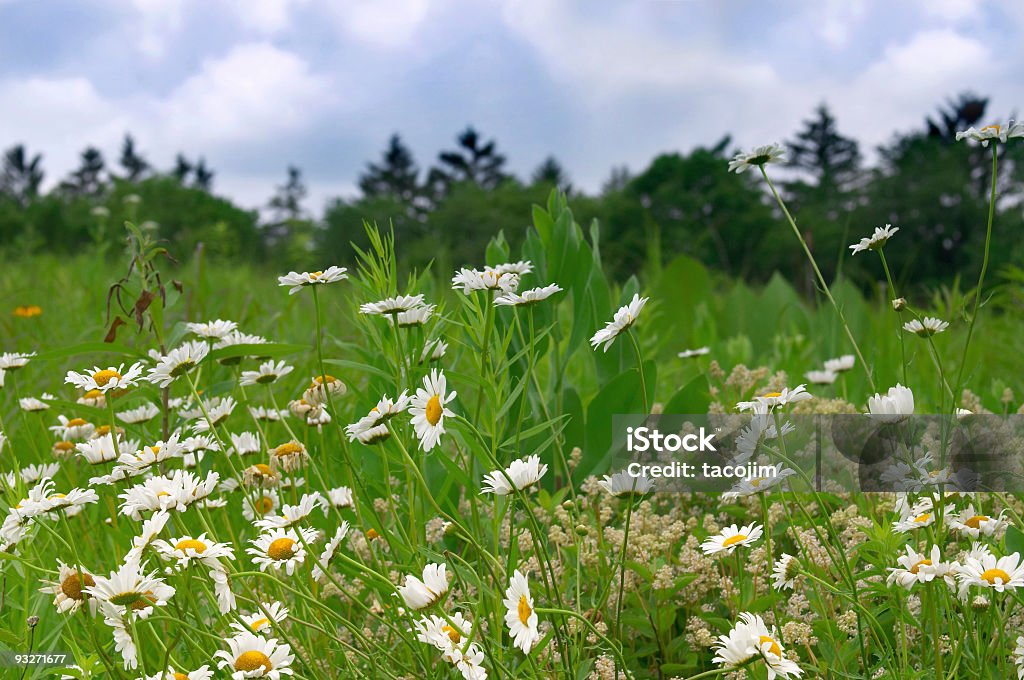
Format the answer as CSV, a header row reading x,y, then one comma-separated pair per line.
x,y
581,530
980,603
899,304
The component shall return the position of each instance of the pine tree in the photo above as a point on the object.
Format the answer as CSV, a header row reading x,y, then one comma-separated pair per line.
x,y
831,160
135,166
203,176
22,174
551,173
87,180
396,175
474,161
182,168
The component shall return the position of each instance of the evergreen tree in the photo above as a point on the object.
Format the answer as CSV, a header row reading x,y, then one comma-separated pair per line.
x,y
396,175
474,161
182,168
551,173
831,160
87,180
203,176
287,201
135,166
22,174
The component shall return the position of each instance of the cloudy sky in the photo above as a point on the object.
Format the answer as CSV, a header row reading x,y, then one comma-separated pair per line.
x,y
254,85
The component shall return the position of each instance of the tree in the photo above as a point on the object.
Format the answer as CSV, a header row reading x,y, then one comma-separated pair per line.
x,y
87,180
958,114
287,201
135,166
474,162
22,174
396,175
203,176
182,168
831,160
551,174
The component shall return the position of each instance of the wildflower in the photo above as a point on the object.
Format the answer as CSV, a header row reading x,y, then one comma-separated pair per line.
x,y
821,377
988,571
263,619
748,486
522,473
131,588
186,550
899,304
785,570
340,497
281,549
428,409
265,503
201,673
175,491
929,325
139,415
690,353
32,405
327,556
92,398
260,474
288,456
490,278
774,399
876,241
624,484
234,339
520,616
526,298
917,567
992,133
420,594
267,373
292,514
840,364
1018,657
151,528
392,305
433,351
271,415
69,589
253,656
893,406
750,638
245,443
297,281
758,158
320,387
623,320
31,474
974,524
731,538
212,330
177,363
27,311
915,517
105,379
216,413
12,361
413,317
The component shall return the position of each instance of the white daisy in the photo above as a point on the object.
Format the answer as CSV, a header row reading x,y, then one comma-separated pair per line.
x,y
876,241
186,550
840,364
821,377
140,414
202,673
268,414
69,590
690,353
988,571
392,305
420,594
992,133
974,524
433,351
131,588
92,398
929,325
264,503
33,405
288,456
105,379
785,571
340,497
12,361
263,619
212,330
528,297
317,394
917,568
291,515
522,474
246,443
895,405
151,528
750,638
520,616
178,362
175,491
759,157
297,281
254,656
281,549
267,373
732,537
748,486
772,400
428,409
490,278
327,556
622,321
624,484
413,317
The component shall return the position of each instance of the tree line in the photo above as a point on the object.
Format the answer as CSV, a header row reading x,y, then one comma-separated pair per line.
x,y
933,188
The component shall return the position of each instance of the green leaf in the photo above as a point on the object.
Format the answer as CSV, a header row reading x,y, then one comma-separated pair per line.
x,y
268,349
90,348
1014,540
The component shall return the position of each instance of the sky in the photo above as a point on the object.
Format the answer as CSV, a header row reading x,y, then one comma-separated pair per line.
x,y
256,85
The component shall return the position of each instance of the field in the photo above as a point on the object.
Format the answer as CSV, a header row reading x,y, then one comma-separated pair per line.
x,y
350,535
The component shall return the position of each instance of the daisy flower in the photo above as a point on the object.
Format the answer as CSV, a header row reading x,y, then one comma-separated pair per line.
x,y
624,484
264,503
915,567
98,450
988,571
281,549
428,409
750,638
420,594
138,415
202,673
821,377
442,633
212,330
368,436
340,497
392,305
772,400
917,518
758,158
327,556
690,353
1018,657
268,414
30,474
876,241
267,373
12,361
521,474
186,550
131,588
434,350
840,364
528,297
412,317
316,393
490,278
105,379
296,281
288,456
929,325
748,486
32,405
151,528
974,524
177,363
175,491
260,475
520,616
246,443
263,619
731,538
253,656
992,133
893,406
622,321
92,398
785,571
234,339
291,515
69,589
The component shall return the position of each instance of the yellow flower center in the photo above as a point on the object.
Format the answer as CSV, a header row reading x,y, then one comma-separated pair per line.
x,y
917,567
72,585
263,505
975,522
772,394
105,376
180,676
77,422
773,648
756,481
63,446
321,379
250,661
315,275
191,543
991,575
733,540
372,534
102,431
993,128
524,610
263,469
281,549
289,449
433,410
259,623
92,394
453,634
56,496
920,519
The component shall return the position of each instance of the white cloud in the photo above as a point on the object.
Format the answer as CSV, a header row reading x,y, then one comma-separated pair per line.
x,y
383,24
157,23
951,10
265,16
